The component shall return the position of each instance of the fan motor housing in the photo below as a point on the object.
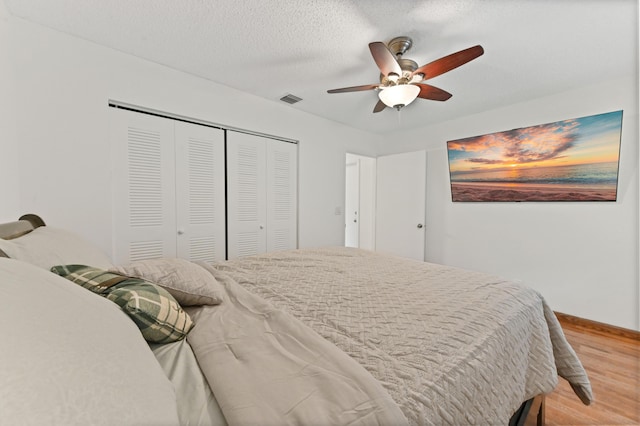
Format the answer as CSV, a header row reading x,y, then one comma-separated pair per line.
x,y
408,65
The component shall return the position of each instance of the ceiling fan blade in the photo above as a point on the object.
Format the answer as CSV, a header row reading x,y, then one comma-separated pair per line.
x,y
354,88
379,106
433,93
384,59
449,62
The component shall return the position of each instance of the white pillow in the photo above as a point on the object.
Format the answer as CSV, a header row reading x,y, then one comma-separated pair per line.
x,y
47,246
71,357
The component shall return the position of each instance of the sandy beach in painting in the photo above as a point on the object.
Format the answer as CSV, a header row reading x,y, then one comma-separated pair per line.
x,y
485,191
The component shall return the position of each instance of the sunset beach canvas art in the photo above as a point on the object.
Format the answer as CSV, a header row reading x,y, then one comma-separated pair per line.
x,y
570,160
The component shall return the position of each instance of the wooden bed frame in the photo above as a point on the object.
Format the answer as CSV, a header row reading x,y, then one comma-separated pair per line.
x,y
24,225
530,413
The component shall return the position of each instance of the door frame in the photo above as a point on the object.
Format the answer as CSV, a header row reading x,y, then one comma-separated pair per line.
x,y
366,199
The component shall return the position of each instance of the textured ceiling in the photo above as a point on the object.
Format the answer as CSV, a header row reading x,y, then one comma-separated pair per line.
x,y
304,47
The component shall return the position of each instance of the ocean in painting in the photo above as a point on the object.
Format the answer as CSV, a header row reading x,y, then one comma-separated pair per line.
x,y
592,175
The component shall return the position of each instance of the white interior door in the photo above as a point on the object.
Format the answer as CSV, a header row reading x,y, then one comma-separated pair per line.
x,y
143,186
400,204
246,194
282,195
200,193
352,205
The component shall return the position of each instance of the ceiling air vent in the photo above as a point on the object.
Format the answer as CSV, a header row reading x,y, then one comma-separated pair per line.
x,y
290,99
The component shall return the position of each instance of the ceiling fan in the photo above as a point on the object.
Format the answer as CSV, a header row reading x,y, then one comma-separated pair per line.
x,y
401,80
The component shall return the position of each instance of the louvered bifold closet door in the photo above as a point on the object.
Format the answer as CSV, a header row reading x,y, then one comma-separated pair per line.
x,y
200,192
282,203
246,194
144,186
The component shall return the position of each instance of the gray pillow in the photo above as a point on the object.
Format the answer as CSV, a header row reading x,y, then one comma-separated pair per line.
x,y
188,282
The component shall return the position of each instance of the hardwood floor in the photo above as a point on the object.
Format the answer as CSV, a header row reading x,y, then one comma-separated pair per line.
x,y
613,365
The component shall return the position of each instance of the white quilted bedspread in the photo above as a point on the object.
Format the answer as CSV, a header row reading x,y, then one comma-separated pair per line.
x,y
450,346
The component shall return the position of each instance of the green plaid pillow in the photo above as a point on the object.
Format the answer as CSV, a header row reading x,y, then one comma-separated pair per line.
x,y
94,279
160,318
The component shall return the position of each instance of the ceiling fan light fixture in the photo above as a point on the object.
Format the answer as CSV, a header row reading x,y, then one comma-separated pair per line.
x,y
399,96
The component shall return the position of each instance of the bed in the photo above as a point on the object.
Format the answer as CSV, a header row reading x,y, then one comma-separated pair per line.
x,y
310,336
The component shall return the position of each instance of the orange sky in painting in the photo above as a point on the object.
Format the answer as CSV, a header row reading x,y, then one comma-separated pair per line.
x,y
570,142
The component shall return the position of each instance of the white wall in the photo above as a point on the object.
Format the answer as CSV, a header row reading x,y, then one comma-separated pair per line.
x,y
583,257
9,186
62,85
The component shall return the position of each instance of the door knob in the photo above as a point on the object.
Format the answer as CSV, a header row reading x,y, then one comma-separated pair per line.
x,y
419,226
